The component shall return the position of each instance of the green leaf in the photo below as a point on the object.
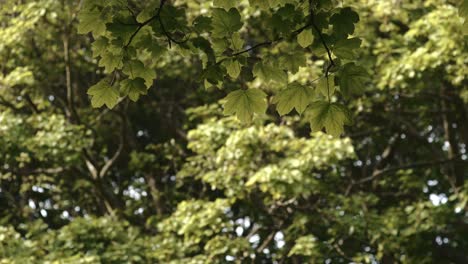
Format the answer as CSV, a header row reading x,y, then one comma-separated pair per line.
x,y
122,31
220,45
102,93
226,4
305,38
133,88
225,23
202,24
213,74
233,68
343,22
237,41
352,79
136,68
326,86
91,21
148,11
99,46
110,60
149,43
294,96
331,116
346,48
244,103
156,50
268,72
293,61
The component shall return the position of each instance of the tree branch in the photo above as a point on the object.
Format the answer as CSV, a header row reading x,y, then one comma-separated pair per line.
x,y
117,153
312,22
90,164
270,42
24,172
31,104
70,92
163,28
378,173
266,242
146,22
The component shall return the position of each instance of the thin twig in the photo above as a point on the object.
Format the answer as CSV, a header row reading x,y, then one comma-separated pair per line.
x,y
267,241
270,42
266,43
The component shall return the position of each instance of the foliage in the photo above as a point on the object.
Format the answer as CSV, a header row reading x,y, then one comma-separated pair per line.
x,y
223,136
219,34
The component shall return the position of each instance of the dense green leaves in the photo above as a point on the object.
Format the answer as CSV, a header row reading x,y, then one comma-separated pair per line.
x,y
220,37
245,103
264,4
292,61
170,179
226,4
268,72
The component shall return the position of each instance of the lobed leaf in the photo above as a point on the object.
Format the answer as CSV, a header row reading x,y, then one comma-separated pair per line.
x,y
103,93
245,103
294,96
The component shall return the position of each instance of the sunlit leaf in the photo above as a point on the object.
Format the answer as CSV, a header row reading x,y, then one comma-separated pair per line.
x,y
294,96
103,93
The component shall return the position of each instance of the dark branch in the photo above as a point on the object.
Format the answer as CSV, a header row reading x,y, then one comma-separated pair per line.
x,y
119,150
163,28
31,104
414,165
324,43
146,22
267,43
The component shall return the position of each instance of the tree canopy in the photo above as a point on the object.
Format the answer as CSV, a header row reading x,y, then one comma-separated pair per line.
x,y
252,131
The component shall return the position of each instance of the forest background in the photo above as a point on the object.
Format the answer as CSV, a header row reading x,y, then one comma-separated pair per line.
x,y
260,131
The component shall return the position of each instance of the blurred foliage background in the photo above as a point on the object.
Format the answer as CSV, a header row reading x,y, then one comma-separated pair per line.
x,y
170,179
